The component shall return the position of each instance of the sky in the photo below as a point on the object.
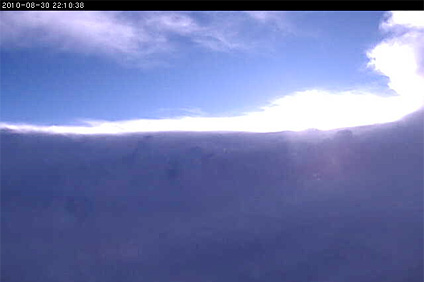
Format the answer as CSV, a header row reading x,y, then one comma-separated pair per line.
x,y
117,72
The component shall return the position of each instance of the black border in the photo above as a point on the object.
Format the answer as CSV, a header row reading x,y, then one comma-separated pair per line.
x,y
286,5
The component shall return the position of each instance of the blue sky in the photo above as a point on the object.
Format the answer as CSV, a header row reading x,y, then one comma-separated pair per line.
x,y
112,72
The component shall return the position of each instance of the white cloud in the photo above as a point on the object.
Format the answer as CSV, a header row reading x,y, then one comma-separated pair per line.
x,y
399,58
82,31
278,19
262,16
405,19
125,35
180,23
303,110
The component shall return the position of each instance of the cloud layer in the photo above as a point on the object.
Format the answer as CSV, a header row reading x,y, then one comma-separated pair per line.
x,y
399,57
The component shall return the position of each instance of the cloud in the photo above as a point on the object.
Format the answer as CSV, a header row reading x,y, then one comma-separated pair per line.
x,y
127,36
399,19
300,111
277,19
399,57
83,31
